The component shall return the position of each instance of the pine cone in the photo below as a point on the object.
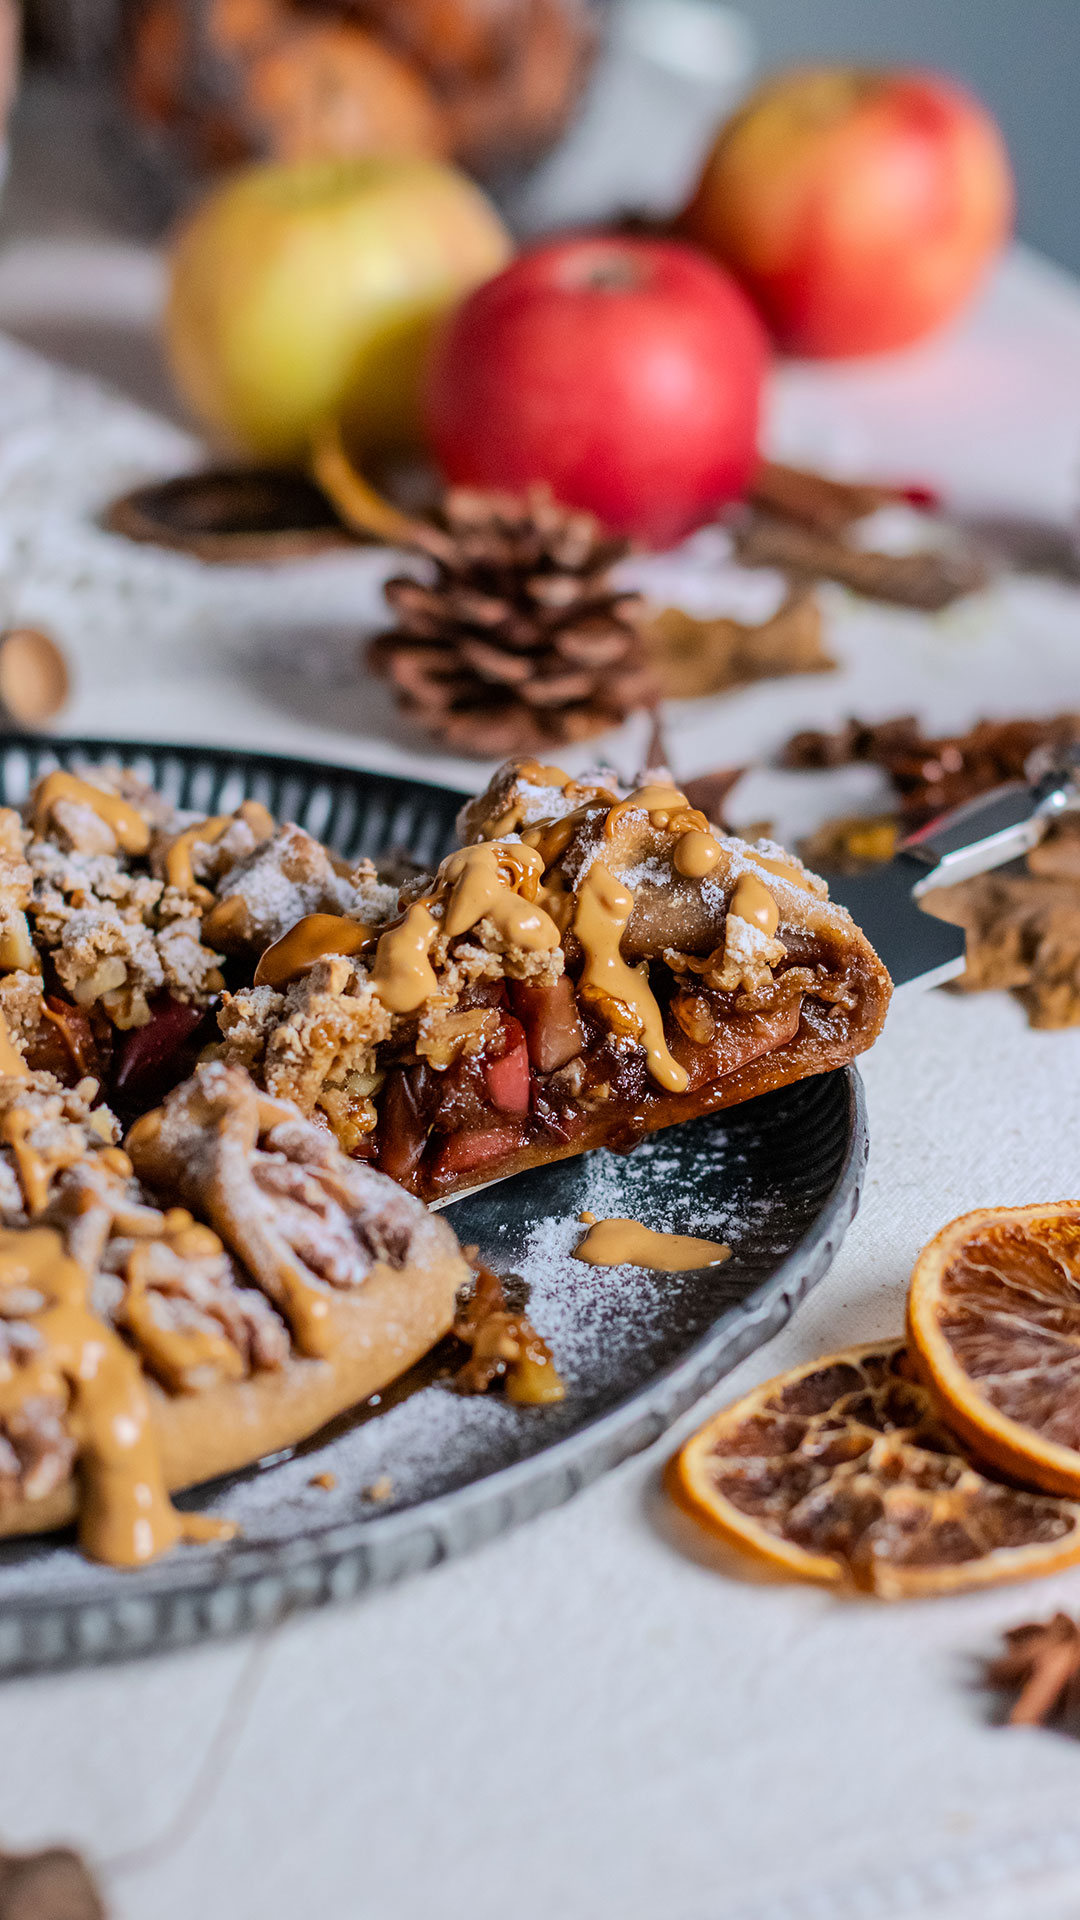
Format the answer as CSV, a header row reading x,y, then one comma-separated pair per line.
x,y
519,641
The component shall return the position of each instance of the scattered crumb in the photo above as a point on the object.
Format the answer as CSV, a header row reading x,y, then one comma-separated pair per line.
x,y
380,1489
327,1481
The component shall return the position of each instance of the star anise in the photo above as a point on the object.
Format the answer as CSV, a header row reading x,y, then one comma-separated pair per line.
x,y
1042,1659
934,773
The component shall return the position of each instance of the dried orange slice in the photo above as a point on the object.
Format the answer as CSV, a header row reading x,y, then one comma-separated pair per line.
x,y
843,1471
994,1328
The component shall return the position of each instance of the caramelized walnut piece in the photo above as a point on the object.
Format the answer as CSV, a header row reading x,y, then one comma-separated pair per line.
x,y
505,1346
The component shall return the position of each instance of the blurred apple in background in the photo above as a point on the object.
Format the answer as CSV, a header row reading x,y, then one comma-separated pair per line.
x,y
305,294
860,209
626,373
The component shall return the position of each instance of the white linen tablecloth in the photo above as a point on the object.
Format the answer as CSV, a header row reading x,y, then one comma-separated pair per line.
x,y
600,1716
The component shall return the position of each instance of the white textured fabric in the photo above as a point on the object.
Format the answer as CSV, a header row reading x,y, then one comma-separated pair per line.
x,y
601,1715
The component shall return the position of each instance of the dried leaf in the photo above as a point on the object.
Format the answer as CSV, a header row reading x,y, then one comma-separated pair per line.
x,y
932,774
709,791
1023,929
929,580
692,657
829,506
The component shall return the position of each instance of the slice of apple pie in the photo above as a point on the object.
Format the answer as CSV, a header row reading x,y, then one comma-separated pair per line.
x,y
172,1311
588,966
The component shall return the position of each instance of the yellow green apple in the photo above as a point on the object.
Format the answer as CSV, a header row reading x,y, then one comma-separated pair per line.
x,y
305,294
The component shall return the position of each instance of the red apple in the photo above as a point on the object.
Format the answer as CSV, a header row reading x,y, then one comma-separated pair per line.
x,y
859,209
625,373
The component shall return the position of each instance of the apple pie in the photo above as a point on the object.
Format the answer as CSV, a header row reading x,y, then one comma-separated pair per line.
x,y
173,1311
588,966
301,1052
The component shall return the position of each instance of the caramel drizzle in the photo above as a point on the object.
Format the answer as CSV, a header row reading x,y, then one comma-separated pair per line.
x,y
403,975
125,1515
550,838
179,872
783,870
696,853
752,901
126,823
493,881
34,1169
659,802
618,1243
535,775
498,882
313,938
603,909
177,1355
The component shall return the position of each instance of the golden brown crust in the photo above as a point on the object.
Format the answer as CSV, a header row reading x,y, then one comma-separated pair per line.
x,y
380,1331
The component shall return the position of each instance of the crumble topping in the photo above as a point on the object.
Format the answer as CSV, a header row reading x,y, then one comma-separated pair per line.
x,y
521,793
284,1198
285,878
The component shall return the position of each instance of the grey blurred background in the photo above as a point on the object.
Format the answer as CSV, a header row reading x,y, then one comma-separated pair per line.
x,y
1022,56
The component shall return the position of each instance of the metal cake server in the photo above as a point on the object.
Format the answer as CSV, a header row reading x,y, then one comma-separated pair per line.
x,y
919,950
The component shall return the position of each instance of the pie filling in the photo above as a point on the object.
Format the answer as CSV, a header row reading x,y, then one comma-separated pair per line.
x,y
588,967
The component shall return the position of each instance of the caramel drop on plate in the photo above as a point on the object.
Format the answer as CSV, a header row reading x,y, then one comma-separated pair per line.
x,y
619,1243
753,902
696,854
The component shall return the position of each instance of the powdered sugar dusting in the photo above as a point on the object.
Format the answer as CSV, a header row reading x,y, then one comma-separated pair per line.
x,y
611,1330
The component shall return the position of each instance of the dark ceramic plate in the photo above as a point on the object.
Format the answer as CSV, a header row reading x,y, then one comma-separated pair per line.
x,y
427,1473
